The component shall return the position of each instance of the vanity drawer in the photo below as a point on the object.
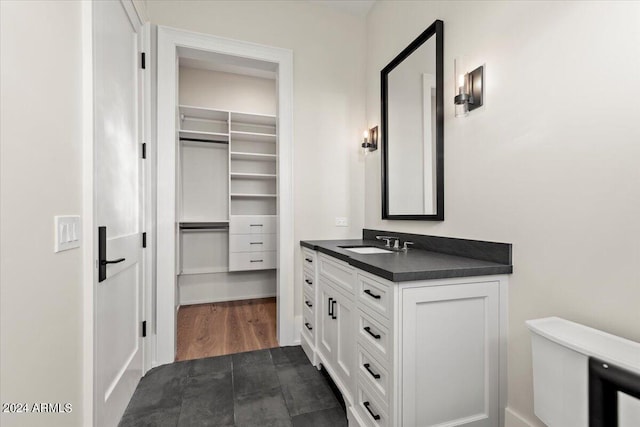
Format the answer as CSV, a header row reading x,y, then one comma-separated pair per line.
x,y
308,281
241,261
375,295
374,336
252,242
374,374
308,301
372,411
252,224
308,327
309,259
339,272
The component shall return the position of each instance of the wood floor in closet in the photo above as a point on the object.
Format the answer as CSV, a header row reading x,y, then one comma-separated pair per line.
x,y
206,330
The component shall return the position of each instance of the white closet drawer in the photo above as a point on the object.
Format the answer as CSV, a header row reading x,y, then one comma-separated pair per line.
x,y
252,224
241,261
252,242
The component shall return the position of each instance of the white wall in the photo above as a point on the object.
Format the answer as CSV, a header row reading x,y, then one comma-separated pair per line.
x,y
550,163
226,91
41,291
329,92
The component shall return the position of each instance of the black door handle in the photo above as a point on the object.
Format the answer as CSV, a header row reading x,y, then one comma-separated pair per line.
x,y
113,261
373,374
375,416
371,294
330,307
333,310
102,254
368,330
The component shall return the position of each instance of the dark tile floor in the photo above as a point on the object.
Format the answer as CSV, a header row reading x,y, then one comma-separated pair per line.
x,y
276,387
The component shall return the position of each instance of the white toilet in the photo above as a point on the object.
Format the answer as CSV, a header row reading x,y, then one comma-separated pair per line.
x,y
561,351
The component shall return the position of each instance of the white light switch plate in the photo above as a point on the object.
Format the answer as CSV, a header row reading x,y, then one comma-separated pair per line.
x,y
67,232
342,222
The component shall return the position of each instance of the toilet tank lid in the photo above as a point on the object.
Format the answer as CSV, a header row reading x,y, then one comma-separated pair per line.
x,y
588,341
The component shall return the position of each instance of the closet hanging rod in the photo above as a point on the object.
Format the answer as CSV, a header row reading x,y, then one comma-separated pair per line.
x,y
204,140
203,226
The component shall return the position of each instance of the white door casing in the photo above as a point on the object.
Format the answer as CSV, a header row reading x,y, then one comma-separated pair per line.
x,y
169,40
117,35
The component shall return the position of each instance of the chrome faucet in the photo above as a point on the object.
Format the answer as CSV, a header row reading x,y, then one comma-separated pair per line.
x,y
388,239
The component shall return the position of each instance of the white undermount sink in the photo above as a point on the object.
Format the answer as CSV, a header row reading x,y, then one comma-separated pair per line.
x,y
367,250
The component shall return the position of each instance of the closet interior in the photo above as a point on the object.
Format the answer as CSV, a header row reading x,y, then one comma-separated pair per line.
x,y
226,203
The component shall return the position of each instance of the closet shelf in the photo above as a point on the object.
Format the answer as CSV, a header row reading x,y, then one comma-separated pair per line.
x,y
253,119
237,175
203,113
238,195
236,155
253,136
207,270
194,135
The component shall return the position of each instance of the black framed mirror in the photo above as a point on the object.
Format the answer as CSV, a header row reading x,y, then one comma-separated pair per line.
x,y
413,130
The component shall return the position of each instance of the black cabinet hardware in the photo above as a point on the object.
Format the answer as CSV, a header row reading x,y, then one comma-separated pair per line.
x,y
308,304
255,243
256,260
371,294
308,259
368,330
333,310
373,374
102,254
256,225
330,307
373,415
308,326
309,282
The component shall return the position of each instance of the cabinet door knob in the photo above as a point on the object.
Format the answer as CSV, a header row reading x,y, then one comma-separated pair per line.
x,y
373,415
371,294
368,330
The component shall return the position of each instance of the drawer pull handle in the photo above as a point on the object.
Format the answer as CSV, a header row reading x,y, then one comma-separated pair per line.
x,y
309,282
330,307
256,260
334,315
371,294
373,415
373,374
255,243
308,304
368,330
308,259
256,225
308,326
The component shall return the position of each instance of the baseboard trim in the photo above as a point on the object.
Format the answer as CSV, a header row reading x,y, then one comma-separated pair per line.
x,y
225,299
513,419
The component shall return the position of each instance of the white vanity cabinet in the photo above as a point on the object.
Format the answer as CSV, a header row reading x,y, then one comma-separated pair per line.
x,y
412,354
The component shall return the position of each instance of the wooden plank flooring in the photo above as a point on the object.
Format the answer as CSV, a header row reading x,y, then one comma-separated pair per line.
x,y
206,330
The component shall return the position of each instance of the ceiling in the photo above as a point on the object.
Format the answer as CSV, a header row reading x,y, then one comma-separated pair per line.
x,y
353,7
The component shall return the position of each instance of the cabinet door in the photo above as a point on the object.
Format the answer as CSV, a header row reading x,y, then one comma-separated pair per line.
x,y
450,348
345,350
326,325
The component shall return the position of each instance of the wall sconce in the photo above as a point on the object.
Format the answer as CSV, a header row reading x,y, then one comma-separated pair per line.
x,y
370,140
469,88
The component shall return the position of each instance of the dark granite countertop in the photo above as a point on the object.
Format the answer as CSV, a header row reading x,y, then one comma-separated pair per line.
x,y
415,264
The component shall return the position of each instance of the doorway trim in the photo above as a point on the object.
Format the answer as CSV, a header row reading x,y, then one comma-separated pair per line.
x,y
169,39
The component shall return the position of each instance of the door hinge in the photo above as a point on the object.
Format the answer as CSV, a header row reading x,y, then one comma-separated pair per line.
x,y
143,61
144,329
144,239
144,150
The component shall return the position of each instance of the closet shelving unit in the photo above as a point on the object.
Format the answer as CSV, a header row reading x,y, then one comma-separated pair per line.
x,y
227,176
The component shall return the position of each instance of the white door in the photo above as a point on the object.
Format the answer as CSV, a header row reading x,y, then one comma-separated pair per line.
x,y
117,78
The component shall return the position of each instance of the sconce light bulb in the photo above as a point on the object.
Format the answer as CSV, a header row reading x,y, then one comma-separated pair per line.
x,y
365,134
